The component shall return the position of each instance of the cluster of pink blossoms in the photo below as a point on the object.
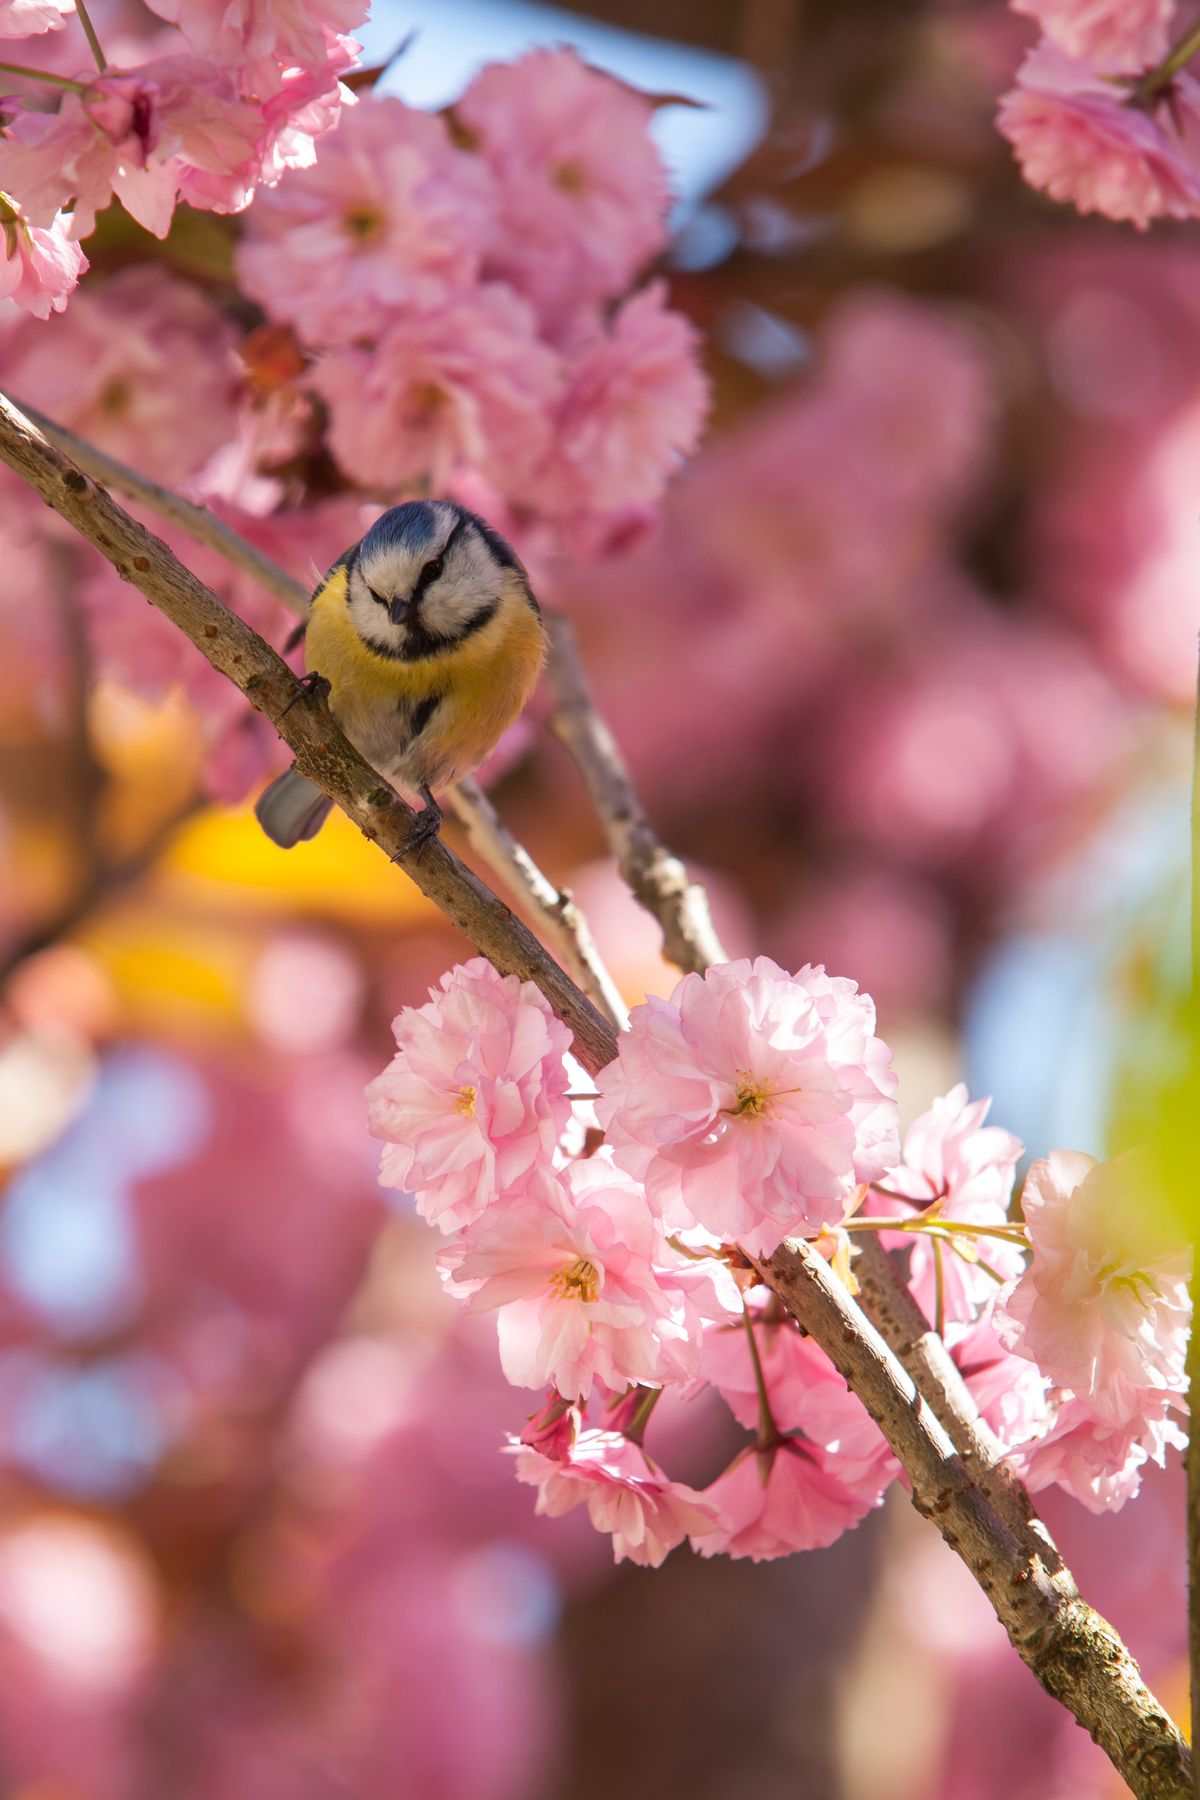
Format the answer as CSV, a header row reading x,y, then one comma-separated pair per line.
x,y
1100,116
219,107
751,1106
462,285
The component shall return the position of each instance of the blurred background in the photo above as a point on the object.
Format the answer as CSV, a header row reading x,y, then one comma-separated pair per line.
x,y
905,672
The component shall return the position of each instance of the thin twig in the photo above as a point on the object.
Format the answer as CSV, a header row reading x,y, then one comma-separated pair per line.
x,y
558,919
555,915
1074,1653
657,879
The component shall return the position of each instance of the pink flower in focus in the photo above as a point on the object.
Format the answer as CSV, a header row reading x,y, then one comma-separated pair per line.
x,y
634,405
173,123
646,1514
778,1501
570,1265
956,1168
806,1395
39,266
1095,1461
582,191
474,1099
1117,34
1103,1306
29,18
468,381
752,1102
392,215
1076,138
290,32
142,364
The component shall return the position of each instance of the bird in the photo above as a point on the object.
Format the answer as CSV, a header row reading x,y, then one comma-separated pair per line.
x,y
427,641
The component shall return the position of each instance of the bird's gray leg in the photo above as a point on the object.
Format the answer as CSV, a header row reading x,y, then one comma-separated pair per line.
x,y
427,824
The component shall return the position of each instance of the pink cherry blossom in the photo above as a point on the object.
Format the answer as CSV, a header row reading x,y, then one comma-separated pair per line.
x,y
571,1267
142,134
1103,1306
468,381
633,408
646,1514
806,1395
391,215
752,1101
957,1168
1076,137
1117,34
777,1501
290,32
29,18
474,1099
1012,1394
1097,1462
39,266
141,364
582,191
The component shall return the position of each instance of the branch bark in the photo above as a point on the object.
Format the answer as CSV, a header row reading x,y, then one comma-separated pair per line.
x,y
1074,1653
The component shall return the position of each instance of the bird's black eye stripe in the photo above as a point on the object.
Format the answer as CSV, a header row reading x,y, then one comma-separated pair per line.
x,y
377,598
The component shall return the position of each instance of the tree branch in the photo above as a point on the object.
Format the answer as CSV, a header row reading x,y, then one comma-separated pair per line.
x,y
1077,1657
657,879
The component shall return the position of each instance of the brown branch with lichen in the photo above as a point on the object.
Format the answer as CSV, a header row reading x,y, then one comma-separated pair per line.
x,y
1074,1653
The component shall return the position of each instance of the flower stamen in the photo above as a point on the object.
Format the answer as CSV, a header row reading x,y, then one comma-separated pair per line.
x,y
580,1281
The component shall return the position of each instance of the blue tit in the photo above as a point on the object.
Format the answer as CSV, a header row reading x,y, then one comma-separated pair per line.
x,y
431,642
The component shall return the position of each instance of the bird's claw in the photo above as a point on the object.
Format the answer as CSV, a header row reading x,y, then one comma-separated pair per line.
x,y
308,687
425,827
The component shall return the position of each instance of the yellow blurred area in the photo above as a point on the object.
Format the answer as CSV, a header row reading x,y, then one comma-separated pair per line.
x,y
223,854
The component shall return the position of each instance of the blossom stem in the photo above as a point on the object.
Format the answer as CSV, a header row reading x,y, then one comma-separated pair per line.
x,y
58,81
939,1289
89,32
768,1432
1008,1234
1163,73
635,1431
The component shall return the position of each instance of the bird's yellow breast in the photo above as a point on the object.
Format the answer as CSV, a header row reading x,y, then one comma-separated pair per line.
x,y
481,684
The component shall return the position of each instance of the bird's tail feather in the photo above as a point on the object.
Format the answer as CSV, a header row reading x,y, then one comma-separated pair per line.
x,y
292,809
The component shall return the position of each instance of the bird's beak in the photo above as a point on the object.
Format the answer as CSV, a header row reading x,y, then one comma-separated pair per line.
x,y
398,611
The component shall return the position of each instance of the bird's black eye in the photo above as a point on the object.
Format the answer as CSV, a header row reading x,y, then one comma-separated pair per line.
x,y
432,571
377,598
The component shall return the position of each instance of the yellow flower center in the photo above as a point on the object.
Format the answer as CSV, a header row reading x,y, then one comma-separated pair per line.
x,y
753,1098
580,1282
465,1104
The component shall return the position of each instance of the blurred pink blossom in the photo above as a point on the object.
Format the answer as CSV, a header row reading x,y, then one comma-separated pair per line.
x,y
142,365
625,1494
1079,140
29,18
392,215
633,407
1103,1306
752,1101
572,1267
777,1501
475,1098
39,266
582,190
957,1168
466,382
1116,34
